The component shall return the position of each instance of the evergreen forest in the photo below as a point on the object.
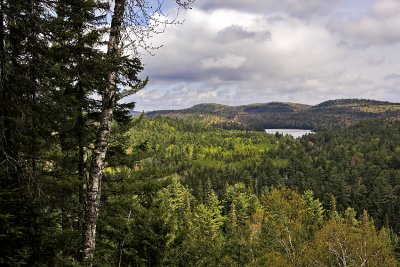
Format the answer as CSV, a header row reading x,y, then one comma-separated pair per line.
x,y
84,183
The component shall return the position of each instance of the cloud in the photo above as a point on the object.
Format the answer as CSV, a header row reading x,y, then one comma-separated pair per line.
x,y
235,33
369,30
385,8
225,62
381,25
234,57
392,76
292,47
296,7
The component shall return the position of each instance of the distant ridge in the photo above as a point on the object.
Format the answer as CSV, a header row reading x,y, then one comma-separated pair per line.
x,y
348,102
326,115
217,108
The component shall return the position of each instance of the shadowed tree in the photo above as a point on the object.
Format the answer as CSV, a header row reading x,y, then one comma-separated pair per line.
x,y
128,19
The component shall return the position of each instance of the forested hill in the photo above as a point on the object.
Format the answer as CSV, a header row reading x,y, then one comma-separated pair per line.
x,y
326,115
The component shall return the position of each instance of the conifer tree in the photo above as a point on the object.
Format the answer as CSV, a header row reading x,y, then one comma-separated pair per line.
x,y
24,63
78,65
125,71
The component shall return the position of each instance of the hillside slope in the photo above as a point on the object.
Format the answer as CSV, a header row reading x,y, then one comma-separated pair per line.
x,y
326,115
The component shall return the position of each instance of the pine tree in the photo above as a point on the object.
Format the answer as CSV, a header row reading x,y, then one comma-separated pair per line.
x,y
78,67
24,63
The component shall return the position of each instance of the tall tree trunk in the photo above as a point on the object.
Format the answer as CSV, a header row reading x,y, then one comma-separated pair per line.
x,y
5,134
33,89
92,204
2,48
81,158
2,76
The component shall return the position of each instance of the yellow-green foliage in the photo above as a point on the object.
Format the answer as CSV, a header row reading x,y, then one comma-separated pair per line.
x,y
378,108
346,242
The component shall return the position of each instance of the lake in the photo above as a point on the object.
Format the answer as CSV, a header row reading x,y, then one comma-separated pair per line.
x,y
296,133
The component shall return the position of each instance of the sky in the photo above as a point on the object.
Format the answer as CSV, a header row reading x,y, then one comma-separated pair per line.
x,y
238,52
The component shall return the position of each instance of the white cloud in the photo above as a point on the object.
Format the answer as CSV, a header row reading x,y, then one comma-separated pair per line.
x,y
385,8
369,30
380,26
291,47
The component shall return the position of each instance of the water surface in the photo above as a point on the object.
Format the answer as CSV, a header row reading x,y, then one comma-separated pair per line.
x,y
296,133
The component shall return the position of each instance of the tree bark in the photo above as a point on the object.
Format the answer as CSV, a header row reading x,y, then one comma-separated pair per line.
x,y
33,91
81,158
93,195
2,64
2,58
5,135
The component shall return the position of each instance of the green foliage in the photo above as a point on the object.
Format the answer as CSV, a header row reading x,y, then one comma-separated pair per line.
x,y
327,115
231,204
352,242
356,165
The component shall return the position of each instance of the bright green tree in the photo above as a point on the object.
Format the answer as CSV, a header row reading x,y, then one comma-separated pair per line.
x,y
351,242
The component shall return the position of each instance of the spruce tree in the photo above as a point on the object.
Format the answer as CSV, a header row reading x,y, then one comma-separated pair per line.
x,y
24,64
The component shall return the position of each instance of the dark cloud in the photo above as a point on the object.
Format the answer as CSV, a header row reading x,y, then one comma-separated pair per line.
x,y
392,76
235,33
